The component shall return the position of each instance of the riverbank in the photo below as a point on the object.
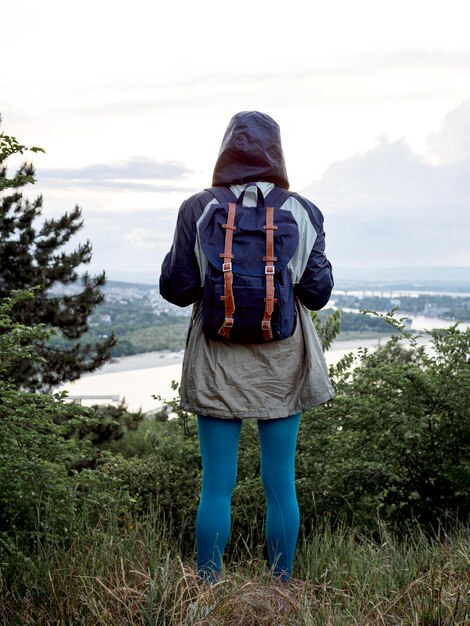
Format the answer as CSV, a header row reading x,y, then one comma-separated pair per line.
x,y
145,360
137,378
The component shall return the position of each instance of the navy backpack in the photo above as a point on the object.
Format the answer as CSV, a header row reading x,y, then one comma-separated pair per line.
x,y
248,294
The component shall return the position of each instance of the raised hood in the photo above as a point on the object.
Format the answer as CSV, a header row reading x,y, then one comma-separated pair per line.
x,y
251,151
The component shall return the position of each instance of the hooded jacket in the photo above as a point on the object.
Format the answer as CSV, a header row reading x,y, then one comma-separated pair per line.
x,y
261,381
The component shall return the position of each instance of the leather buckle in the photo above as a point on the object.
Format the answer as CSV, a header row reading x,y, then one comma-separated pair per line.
x,y
266,325
269,269
228,322
227,267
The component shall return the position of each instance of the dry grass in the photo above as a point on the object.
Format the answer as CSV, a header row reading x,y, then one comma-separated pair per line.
x,y
140,580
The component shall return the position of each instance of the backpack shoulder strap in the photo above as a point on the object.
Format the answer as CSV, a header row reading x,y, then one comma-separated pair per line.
x,y
269,271
227,256
222,194
277,196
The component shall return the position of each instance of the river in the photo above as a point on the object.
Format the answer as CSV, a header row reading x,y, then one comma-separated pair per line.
x,y
136,378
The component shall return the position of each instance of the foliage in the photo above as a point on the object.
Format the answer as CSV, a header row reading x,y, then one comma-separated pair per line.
x,y
392,449
31,257
43,486
396,439
16,340
9,146
331,322
36,462
167,479
329,329
394,442
109,425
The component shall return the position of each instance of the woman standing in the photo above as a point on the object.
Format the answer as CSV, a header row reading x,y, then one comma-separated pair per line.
x,y
224,382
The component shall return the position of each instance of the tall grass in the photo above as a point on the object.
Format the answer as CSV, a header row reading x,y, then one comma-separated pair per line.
x,y
110,577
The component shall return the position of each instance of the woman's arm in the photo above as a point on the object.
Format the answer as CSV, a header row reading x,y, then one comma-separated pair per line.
x,y
180,278
316,283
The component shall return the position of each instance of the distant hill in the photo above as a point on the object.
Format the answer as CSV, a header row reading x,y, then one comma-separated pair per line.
x,y
413,278
129,284
396,278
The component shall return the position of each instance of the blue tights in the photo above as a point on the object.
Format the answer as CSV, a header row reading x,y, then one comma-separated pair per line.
x,y
219,451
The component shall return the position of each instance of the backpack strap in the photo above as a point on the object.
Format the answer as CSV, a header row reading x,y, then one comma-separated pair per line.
x,y
277,196
225,194
227,255
222,194
269,271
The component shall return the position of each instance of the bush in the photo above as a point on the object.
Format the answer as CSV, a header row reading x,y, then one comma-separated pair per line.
x,y
42,491
167,480
394,444
396,439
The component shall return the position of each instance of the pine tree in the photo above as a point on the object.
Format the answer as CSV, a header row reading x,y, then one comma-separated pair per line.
x,y
30,256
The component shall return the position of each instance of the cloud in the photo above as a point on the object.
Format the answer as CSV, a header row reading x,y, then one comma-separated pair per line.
x,y
140,238
400,75
452,143
134,174
391,206
391,177
128,241
387,207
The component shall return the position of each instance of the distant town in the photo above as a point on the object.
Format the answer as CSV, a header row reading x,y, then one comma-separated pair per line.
x,y
126,293
143,321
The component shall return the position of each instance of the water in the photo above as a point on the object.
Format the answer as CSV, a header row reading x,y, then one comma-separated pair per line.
x,y
393,293
136,378
417,322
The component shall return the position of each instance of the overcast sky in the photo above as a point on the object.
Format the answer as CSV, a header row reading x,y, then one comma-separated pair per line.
x,y
131,100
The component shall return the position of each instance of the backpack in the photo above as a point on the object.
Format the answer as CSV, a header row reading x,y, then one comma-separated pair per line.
x,y
248,296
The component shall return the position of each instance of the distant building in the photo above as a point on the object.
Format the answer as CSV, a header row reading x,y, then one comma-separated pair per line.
x,y
433,310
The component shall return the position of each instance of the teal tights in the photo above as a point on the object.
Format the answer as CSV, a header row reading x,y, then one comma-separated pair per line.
x,y
219,451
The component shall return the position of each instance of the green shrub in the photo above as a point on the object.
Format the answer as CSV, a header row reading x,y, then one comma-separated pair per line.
x,y
396,439
394,444
168,479
42,491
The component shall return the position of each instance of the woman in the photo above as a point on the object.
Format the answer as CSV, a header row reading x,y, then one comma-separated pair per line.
x,y
224,382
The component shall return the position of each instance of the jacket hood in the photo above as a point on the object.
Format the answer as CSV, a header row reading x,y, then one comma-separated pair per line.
x,y
251,151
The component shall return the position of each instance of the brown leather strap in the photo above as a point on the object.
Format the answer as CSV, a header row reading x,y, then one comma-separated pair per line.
x,y
269,271
227,256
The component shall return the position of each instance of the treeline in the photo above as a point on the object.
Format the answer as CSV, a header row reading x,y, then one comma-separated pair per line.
x,y
168,332
358,322
139,329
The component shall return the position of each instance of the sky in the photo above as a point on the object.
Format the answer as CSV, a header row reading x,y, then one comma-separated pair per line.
x,y
130,100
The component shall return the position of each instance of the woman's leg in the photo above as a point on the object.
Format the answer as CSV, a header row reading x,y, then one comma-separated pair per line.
x,y
218,440
278,440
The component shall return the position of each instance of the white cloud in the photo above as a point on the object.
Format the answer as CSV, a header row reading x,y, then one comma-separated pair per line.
x,y
134,174
385,207
134,241
390,206
452,143
140,238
